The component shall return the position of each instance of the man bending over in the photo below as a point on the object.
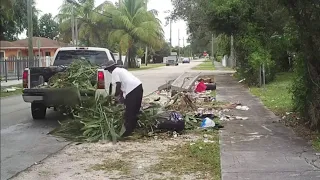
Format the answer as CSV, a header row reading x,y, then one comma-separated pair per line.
x,y
131,88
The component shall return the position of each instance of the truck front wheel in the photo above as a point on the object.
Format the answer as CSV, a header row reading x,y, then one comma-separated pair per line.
x,y
38,111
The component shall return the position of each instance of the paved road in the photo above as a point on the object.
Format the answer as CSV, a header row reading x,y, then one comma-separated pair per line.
x,y
24,141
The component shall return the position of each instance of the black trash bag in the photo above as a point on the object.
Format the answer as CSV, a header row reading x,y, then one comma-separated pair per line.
x,y
202,116
211,86
170,121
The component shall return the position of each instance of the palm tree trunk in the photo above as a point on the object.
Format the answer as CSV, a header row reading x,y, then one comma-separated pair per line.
x,y
126,61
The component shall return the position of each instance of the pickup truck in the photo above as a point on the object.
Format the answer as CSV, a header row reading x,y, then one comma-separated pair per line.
x,y
35,79
172,60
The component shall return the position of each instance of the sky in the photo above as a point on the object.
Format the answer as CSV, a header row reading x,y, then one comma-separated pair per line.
x,y
52,6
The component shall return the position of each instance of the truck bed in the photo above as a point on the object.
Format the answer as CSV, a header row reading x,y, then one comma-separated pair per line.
x,y
40,75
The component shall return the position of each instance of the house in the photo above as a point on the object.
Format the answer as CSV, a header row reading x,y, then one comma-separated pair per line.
x,y
13,55
19,48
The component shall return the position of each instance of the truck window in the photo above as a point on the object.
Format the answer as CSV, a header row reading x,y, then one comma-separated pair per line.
x,y
66,57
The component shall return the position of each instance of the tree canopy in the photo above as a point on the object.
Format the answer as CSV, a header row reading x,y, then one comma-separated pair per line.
x,y
283,35
13,18
48,27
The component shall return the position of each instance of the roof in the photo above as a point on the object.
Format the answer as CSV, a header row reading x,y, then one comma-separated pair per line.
x,y
23,43
6,44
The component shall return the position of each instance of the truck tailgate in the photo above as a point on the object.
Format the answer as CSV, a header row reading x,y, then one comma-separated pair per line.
x,y
55,97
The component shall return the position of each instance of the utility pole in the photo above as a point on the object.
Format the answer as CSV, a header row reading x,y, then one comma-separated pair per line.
x,y
30,32
120,53
170,32
146,53
183,42
232,61
72,23
212,46
76,31
179,43
184,50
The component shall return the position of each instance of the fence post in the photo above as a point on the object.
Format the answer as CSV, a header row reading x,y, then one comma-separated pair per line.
x,y
260,76
18,68
6,70
264,77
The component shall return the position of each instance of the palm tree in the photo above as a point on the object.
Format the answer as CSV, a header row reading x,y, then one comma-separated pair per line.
x,y
133,24
92,25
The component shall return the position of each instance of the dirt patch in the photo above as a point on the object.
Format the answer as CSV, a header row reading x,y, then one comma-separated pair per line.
x,y
302,129
124,160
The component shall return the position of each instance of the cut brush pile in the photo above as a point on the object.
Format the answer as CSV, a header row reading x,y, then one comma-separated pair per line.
x,y
101,118
95,118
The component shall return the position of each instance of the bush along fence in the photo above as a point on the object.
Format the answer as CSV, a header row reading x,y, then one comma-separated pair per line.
x,y
12,68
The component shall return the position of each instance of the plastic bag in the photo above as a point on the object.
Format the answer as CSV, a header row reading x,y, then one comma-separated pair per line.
x,y
171,121
201,87
207,122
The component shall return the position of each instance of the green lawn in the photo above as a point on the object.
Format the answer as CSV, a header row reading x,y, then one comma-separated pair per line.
x,y
206,65
144,67
316,143
7,94
276,95
278,99
197,157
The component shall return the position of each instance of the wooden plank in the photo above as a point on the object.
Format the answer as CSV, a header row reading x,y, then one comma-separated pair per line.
x,y
185,81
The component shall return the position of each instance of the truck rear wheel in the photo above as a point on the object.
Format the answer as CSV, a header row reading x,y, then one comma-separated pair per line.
x,y
38,111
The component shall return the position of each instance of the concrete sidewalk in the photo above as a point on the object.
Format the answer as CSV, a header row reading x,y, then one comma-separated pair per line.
x,y
260,148
11,83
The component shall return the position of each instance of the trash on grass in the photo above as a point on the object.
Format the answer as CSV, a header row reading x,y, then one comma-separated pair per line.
x,y
10,89
208,141
170,120
207,122
242,80
175,134
201,87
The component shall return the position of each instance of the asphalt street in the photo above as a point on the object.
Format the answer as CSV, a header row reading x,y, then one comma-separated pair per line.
x,y
25,142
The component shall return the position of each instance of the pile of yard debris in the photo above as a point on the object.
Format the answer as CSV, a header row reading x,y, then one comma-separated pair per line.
x,y
101,118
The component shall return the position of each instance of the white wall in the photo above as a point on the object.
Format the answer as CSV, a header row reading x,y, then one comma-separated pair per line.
x,y
224,60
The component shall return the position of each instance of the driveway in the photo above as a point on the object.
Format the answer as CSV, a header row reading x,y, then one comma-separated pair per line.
x,y
25,141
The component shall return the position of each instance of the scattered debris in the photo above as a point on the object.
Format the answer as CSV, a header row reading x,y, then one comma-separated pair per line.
x,y
230,118
170,121
167,109
242,80
241,118
207,123
244,108
11,89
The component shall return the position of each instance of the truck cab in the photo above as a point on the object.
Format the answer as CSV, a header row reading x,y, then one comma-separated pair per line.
x,y
173,59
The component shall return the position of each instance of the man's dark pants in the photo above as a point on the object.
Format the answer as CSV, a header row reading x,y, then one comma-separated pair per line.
x,y
133,104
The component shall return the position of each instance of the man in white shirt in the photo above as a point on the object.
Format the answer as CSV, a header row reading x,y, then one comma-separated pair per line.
x,y
132,91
